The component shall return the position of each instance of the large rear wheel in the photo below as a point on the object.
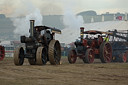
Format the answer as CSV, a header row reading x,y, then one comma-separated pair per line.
x,y
54,52
105,52
19,56
41,57
72,56
2,53
89,56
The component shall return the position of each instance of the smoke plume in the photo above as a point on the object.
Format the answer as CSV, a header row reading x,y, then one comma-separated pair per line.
x,y
22,24
71,21
72,25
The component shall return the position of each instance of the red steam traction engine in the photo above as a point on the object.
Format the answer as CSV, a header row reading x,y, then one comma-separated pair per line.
x,y
87,48
2,53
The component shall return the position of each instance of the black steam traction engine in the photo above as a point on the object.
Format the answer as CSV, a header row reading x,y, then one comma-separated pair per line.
x,y
39,48
87,49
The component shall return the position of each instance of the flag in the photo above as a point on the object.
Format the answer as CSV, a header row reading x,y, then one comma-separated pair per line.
x,y
119,17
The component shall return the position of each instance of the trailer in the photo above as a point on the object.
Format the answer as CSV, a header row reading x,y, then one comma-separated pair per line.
x,y
119,42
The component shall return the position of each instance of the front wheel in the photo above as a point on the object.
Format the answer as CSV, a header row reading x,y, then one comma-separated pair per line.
x,y
2,53
89,56
41,56
72,56
19,56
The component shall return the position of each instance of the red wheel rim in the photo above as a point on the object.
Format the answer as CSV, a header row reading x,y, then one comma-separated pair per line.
x,y
91,56
107,52
124,57
73,56
2,53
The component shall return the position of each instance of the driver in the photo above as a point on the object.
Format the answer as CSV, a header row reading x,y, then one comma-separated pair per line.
x,y
106,39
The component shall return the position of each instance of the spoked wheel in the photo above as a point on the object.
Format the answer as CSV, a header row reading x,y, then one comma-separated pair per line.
x,y
123,57
19,56
41,56
72,56
2,53
54,52
32,61
127,55
105,52
89,56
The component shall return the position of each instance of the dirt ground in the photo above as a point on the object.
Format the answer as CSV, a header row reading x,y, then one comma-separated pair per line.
x,y
65,74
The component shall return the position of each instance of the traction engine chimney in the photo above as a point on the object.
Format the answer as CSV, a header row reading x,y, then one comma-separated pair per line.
x,y
81,33
32,30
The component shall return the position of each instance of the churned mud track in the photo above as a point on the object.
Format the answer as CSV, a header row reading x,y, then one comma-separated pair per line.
x,y
65,74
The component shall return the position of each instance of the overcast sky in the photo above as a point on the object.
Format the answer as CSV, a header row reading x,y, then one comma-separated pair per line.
x,y
22,7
